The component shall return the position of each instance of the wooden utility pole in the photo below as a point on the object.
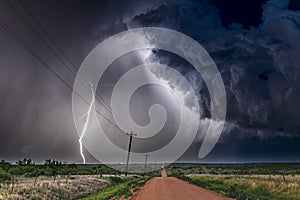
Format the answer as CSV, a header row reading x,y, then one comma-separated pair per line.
x,y
35,179
12,183
146,157
129,149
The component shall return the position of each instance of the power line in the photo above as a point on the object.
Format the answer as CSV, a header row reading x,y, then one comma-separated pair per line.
x,y
101,100
30,50
38,35
46,33
36,56
41,38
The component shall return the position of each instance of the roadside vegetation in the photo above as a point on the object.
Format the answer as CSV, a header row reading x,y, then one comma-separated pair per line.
x,y
242,188
245,181
236,169
51,168
55,180
120,189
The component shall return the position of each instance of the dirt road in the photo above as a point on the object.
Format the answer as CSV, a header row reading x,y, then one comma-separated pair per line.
x,y
169,188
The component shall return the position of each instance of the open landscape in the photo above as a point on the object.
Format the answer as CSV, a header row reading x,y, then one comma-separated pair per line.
x,y
53,180
150,100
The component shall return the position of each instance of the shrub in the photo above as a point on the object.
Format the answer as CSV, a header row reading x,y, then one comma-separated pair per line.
x,y
4,175
116,180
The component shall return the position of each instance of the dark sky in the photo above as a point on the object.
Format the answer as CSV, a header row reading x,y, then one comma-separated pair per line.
x,y
255,44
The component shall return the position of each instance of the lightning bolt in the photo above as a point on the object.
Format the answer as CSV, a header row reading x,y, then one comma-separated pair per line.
x,y
86,123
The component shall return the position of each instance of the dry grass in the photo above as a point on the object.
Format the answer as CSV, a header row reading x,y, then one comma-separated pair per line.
x,y
61,187
287,185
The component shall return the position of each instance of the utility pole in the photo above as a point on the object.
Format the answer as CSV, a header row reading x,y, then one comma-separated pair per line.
x,y
146,157
12,183
129,148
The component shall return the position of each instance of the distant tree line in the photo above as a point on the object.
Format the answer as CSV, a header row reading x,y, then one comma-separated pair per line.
x,y
27,168
240,168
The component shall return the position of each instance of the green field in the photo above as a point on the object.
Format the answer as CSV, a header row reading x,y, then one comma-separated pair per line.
x,y
120,188
275,181
54,180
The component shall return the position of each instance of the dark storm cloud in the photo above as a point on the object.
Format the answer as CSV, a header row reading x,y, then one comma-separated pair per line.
x,y
294,5
36,114
278,149
247,13
259,65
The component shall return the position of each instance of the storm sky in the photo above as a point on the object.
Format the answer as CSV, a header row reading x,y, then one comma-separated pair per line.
x,y
255,45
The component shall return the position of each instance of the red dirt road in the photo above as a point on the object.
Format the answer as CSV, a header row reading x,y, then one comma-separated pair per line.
x,y
169,188
163,173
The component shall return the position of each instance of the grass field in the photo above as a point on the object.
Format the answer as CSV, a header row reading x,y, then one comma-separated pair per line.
x,y
61,187
121,190
271,181
251,186
275,181
53,180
